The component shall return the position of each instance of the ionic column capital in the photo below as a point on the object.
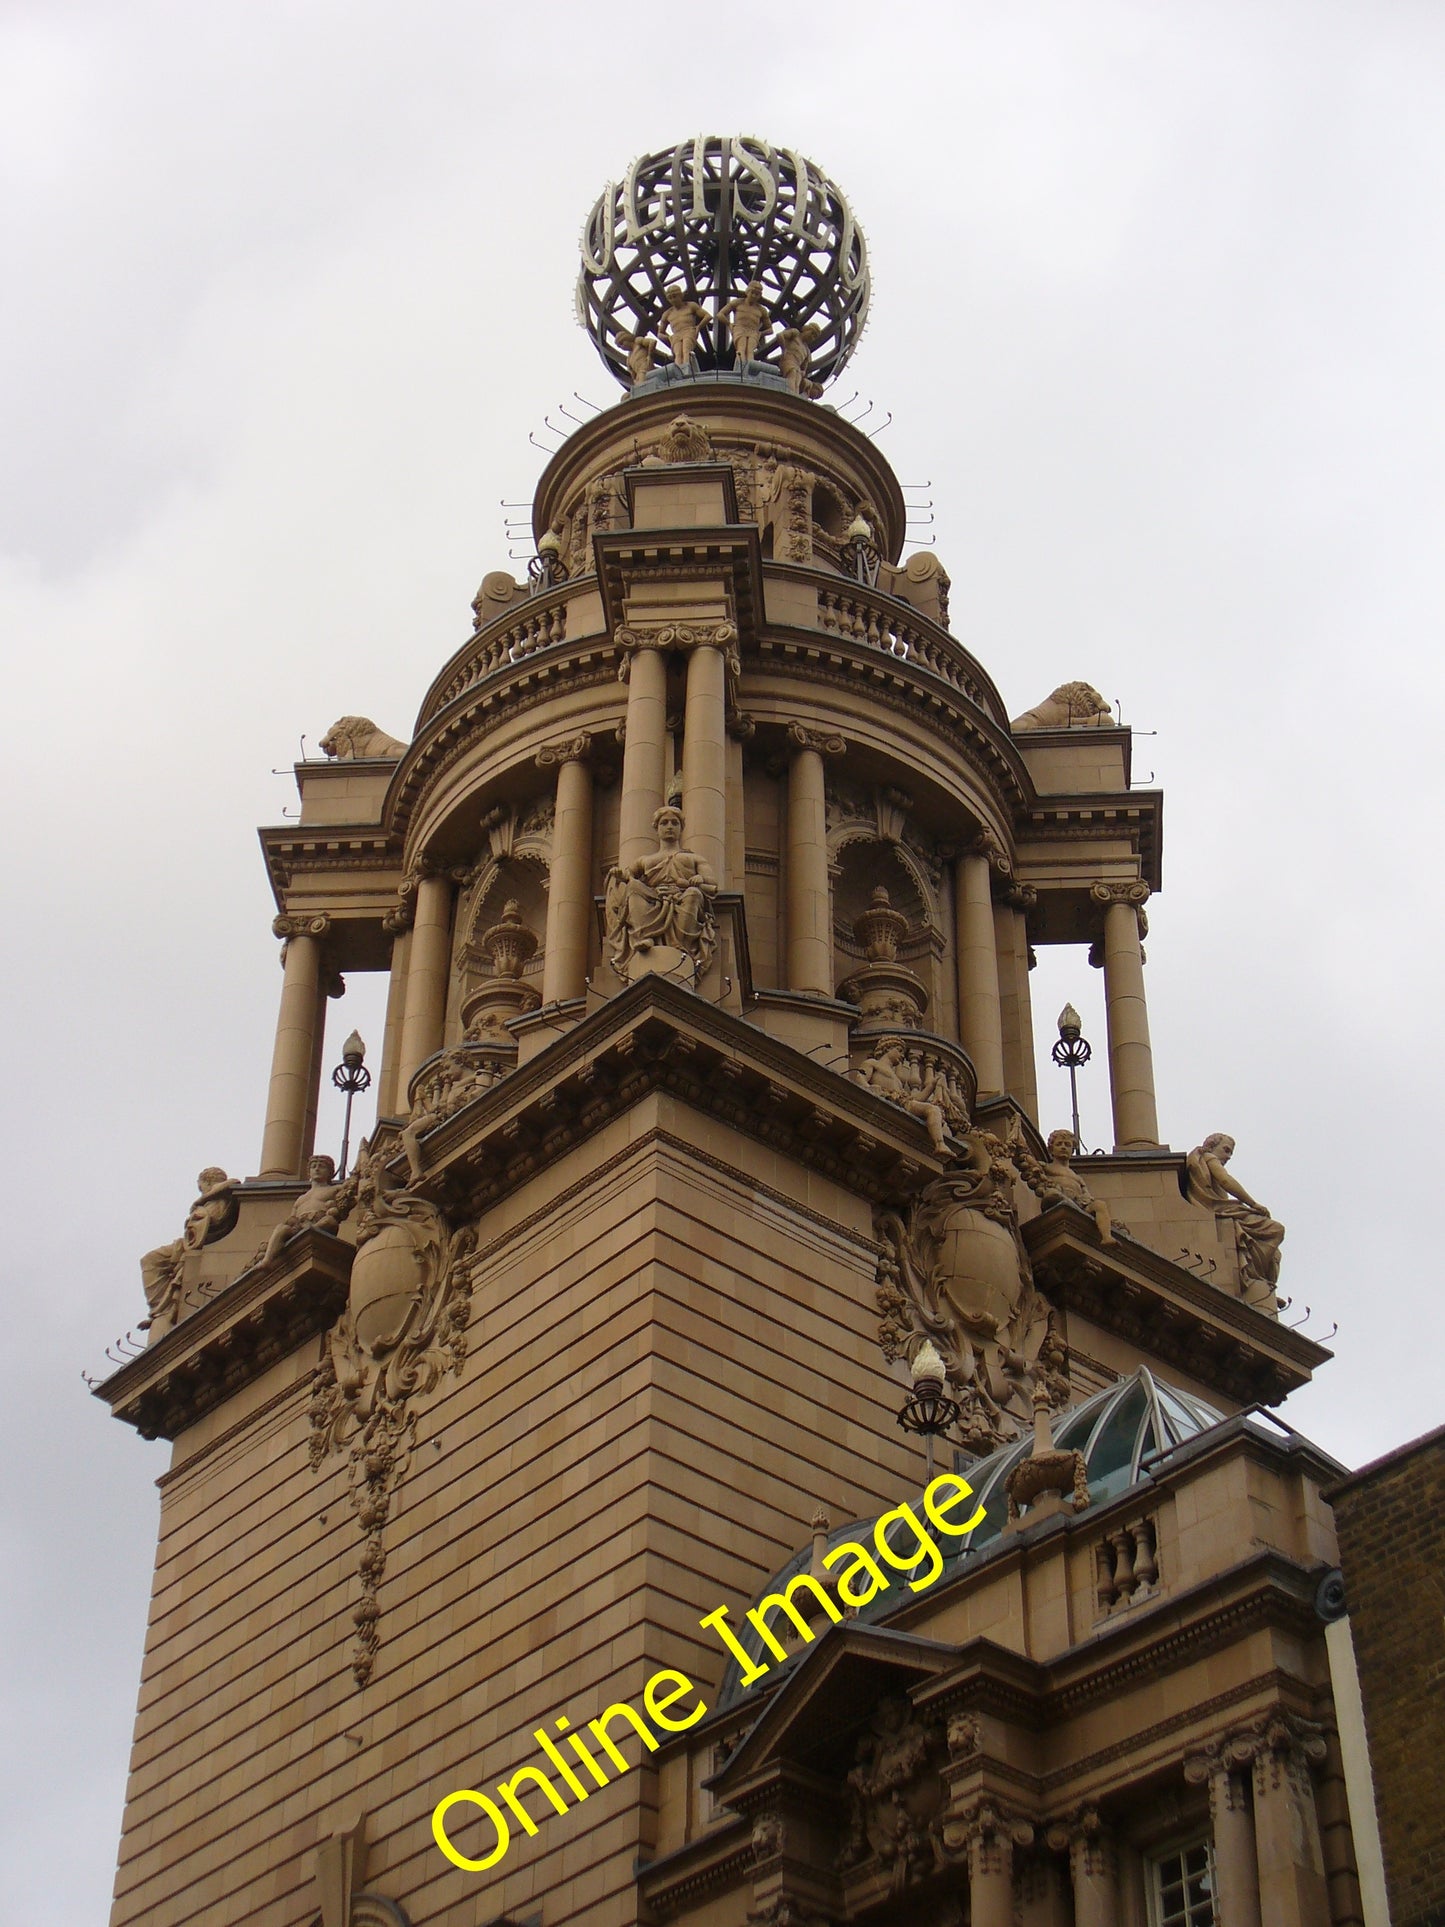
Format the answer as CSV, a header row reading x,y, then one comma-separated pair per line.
x,y
823,742
1279,1736
1087,1841
571,749
1019,896
288,926
989,847
1136,892
684,636
987,1830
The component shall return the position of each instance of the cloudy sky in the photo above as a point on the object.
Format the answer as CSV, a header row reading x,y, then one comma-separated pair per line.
x,y
1160,317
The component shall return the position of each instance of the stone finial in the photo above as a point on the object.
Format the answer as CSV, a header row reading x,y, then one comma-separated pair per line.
x,y
881,928
509,945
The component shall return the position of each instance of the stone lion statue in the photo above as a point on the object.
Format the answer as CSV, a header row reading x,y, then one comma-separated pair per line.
x,y
1073,705
354,737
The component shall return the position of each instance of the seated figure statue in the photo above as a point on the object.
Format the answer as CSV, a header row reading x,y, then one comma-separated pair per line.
x,y
1059,1180
321,1207
662,901
1259,1236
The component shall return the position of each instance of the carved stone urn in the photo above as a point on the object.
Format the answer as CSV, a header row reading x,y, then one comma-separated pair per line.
x,y
885,991
508,947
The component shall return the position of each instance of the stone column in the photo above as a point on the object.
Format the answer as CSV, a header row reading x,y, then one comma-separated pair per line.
x,y
809,919
1011,942
644,747
397,924
1292,1887
1043,1901
980,1021
290,1096
1131,1061
569,890
1231,1820
990,1834
705,746
428,970
1093,1868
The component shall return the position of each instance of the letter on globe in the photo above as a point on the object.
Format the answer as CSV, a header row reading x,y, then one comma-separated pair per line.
x,y
863,1561
439,1832
656,1702
926,1547
936,1508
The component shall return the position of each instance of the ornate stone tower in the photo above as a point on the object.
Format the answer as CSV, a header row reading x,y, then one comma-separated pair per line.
x,y
708,887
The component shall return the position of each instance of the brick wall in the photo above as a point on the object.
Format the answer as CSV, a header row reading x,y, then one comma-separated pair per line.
x,y
1391,1520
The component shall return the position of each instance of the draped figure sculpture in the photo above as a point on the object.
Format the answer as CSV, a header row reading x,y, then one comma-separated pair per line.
x,y
1259,1236
659,910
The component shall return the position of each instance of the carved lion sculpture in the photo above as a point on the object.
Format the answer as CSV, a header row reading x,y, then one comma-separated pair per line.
x,y
352,738
1073,705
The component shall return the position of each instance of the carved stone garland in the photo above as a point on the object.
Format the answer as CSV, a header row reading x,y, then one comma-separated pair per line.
x,y
404,1326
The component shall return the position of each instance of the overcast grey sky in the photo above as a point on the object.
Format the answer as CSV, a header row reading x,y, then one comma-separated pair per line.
x,y
1159,313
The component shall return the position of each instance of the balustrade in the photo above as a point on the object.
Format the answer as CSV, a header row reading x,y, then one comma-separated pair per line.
x,y
1126,1566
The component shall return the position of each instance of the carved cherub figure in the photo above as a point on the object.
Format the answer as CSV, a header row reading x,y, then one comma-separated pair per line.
x,y
641,352
748,319
1259,1235
321,1207
795,351
1057,1180
680,321
459,1076
665,898
889,1074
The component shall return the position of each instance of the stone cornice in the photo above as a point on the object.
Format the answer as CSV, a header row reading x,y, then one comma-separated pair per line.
x,y
265,1314
1132,1291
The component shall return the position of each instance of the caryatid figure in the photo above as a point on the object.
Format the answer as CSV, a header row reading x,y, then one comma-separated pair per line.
x,y
748,319
680,321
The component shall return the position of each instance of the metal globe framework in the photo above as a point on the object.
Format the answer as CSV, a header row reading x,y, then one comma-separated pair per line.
x,y
711,215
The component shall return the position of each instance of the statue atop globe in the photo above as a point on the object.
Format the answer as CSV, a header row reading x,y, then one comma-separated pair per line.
x,y
728,258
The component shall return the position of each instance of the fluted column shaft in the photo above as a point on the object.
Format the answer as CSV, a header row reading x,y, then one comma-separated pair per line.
x,y
705,758
809,921
980,1020
428,970
644,753
298,1023
569,893
1292,1888
1131,1059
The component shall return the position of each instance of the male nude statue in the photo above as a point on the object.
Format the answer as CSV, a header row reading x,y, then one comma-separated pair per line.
x,y
748,318
680,321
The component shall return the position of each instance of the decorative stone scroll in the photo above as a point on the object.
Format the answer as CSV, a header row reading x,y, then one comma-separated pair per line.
x,y
895,1794
659,913
955,1271
404,1326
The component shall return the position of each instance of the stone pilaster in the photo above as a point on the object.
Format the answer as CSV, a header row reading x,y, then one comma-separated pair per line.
x,y
569,894
809,921
1131,1059
291,1096
1292,1886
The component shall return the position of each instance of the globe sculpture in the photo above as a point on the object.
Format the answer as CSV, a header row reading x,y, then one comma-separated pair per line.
x,y
723,256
